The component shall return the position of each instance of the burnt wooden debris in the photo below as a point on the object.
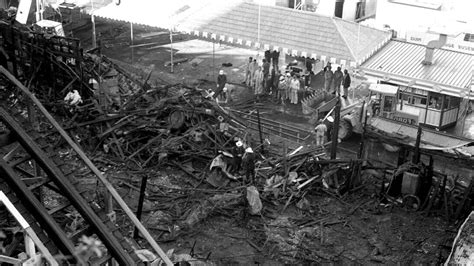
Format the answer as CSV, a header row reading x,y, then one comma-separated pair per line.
x,y
129,120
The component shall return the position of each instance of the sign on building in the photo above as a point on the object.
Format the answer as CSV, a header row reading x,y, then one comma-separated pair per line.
x,y
454,43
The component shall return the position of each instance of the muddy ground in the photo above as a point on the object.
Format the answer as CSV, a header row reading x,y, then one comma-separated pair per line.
x,y
354,229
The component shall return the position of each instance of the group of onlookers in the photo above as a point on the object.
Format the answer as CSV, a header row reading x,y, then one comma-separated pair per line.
x,y
333,81
267,79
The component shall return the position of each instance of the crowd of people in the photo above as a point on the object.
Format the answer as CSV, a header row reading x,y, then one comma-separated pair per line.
x,y
334,81
267,79
288,85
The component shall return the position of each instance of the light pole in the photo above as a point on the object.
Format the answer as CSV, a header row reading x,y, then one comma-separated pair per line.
x,y
171,49
467,109
258,29
94,41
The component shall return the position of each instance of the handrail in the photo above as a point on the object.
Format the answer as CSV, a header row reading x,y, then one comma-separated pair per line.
x,y
281,133
266,119
92,167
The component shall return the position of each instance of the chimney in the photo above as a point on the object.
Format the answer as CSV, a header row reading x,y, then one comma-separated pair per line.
x,y
431,46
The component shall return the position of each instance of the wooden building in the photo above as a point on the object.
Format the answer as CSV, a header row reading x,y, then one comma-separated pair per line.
x,y
415,92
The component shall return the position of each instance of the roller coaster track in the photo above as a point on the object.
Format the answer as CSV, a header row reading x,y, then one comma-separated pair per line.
x,y
30,164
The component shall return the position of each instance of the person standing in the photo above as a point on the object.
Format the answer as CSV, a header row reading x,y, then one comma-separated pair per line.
x,y
221,81
247,71
248,162
252,68
267,55
294,88
287,88
266,73
338,76
271,79
283,88
328,77
275,58
276,82
346,83
237,151
320,130
259,79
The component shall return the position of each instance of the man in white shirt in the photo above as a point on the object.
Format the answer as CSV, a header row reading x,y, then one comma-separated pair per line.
x,y
321,130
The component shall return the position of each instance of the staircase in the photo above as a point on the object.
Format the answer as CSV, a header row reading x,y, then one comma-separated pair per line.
x,y
31,165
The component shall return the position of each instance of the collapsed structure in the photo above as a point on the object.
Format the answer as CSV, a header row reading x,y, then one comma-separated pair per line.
x,y
125,118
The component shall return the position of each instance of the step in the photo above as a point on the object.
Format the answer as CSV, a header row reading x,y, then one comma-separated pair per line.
x,y
39,184
59,207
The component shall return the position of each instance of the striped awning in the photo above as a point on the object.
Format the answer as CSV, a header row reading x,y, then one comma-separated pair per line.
x,y
399,62
246,24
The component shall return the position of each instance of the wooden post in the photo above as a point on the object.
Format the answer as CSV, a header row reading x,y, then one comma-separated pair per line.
x,y
285,164
416,156
141,198
213,61
171,51
29,246
132,45
262,150
91,166
362,138
31,239
401,156
94,40
109,206
335,129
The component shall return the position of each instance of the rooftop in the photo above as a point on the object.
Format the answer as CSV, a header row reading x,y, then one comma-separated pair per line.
x,y
400,62
236,22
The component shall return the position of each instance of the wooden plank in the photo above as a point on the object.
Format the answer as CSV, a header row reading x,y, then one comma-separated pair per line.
x,y
93,168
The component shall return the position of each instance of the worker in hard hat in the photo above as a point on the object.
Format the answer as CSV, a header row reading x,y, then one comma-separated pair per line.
x,y
248,163
73,98
238,152
320,130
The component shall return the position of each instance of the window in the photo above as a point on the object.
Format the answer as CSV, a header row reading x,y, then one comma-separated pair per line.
x,y
388,103
360,10
469,37
413,99
447,101
455,102
435,101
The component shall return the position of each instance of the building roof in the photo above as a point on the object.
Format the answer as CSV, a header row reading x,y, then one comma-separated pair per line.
x,y
236,22
400,62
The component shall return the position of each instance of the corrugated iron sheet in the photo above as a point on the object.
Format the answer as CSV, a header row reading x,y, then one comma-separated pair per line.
x,y
301,33
449,68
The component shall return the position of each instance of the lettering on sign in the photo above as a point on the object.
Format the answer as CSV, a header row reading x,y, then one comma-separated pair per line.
x,y
454,44
405,120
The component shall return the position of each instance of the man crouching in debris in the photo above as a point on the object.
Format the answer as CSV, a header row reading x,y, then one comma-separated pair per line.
x,y
248,163
73,98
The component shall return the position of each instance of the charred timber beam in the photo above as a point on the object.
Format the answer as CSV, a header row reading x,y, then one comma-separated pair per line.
x,y
112,244
28,199
91,166
335,161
